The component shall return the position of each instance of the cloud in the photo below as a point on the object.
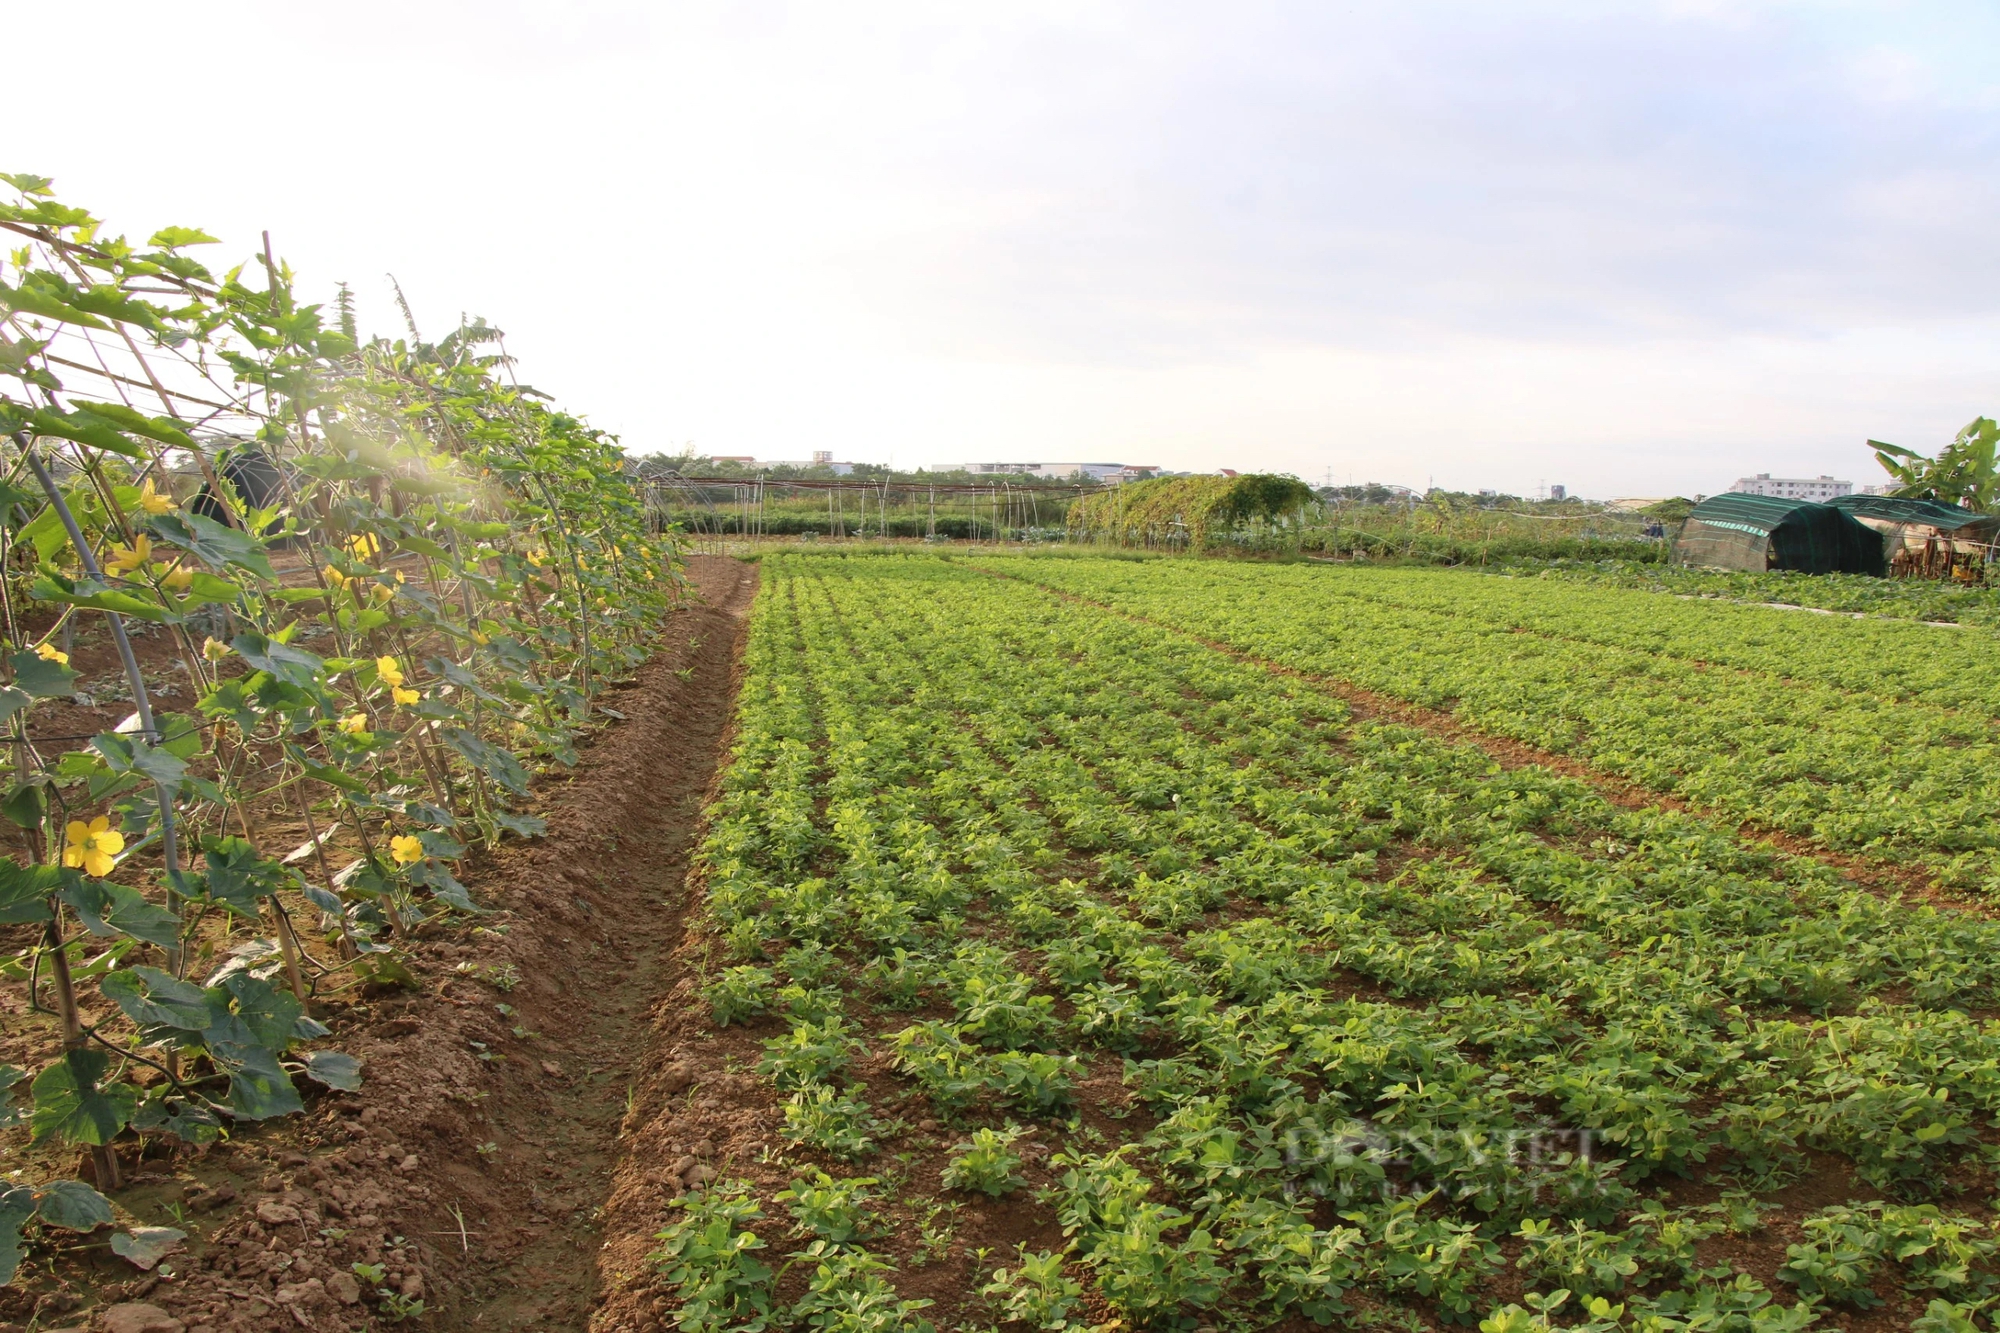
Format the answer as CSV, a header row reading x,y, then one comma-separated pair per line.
x,y
1673,241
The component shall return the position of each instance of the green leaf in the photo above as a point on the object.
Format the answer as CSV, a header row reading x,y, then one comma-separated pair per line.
x,y
85,428
334,1069
173,238
207,589
459,676
40,678
25,890
216,544
17,1208
437,877
145,1246
13,700
27,803
54,587
72,1205
11,1112
70,1106
47,533
40,301
152,998
153,428
237,877
527,826
489,759
293,666
129,754
230,700
258,1087
332,777
266,1012
112,909
181,1116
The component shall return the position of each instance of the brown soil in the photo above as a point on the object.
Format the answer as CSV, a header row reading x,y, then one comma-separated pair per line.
x,y
472,1164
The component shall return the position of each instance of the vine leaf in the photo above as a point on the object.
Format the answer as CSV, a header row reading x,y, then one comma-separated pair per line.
x,y
10,1111
152,998
17,1206
293,666
213,543
489,759
335,1069
71,1106
145,1246
112,909
25,890
41,678
258,1088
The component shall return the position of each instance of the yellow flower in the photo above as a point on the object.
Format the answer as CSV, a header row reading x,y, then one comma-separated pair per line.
x,y
153,502
406,849
48,652
180,578
480,639
125,559
335,577
381,592
363,546
354,724
93,847
214,649
538,558
386,668
404,697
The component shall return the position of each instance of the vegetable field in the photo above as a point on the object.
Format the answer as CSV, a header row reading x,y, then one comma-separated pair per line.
x,y
1101,965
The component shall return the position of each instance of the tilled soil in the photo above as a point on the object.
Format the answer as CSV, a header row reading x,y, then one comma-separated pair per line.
x,y
472,1166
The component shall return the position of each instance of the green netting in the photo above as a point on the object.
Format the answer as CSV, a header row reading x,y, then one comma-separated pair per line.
x,y
1759,532
1923,513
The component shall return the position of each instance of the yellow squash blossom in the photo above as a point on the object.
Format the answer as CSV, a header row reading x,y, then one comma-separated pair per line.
x,y
538,558
214,649
153,502
363,546
48,652
180,578
93,847
335,577
406,849
125,559
404,697
354,724
381,592
386,668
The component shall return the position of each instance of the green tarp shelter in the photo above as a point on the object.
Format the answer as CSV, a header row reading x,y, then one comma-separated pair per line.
x,y
1759,532
1925,537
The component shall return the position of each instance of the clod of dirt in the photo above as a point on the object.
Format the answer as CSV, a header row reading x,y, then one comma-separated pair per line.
x,y
134,1317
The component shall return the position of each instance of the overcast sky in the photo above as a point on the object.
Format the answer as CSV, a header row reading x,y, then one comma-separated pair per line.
x,y
1634,248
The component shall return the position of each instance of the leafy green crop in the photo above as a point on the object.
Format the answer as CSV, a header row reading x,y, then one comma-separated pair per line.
x,y
1367,1023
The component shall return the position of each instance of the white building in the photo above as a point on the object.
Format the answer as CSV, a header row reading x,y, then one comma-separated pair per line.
x,y
1819,488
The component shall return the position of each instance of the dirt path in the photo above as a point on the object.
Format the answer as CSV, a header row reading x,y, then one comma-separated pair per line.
x,y
601,902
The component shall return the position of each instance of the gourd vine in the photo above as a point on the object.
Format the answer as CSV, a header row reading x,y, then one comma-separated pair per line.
x,y
370,586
